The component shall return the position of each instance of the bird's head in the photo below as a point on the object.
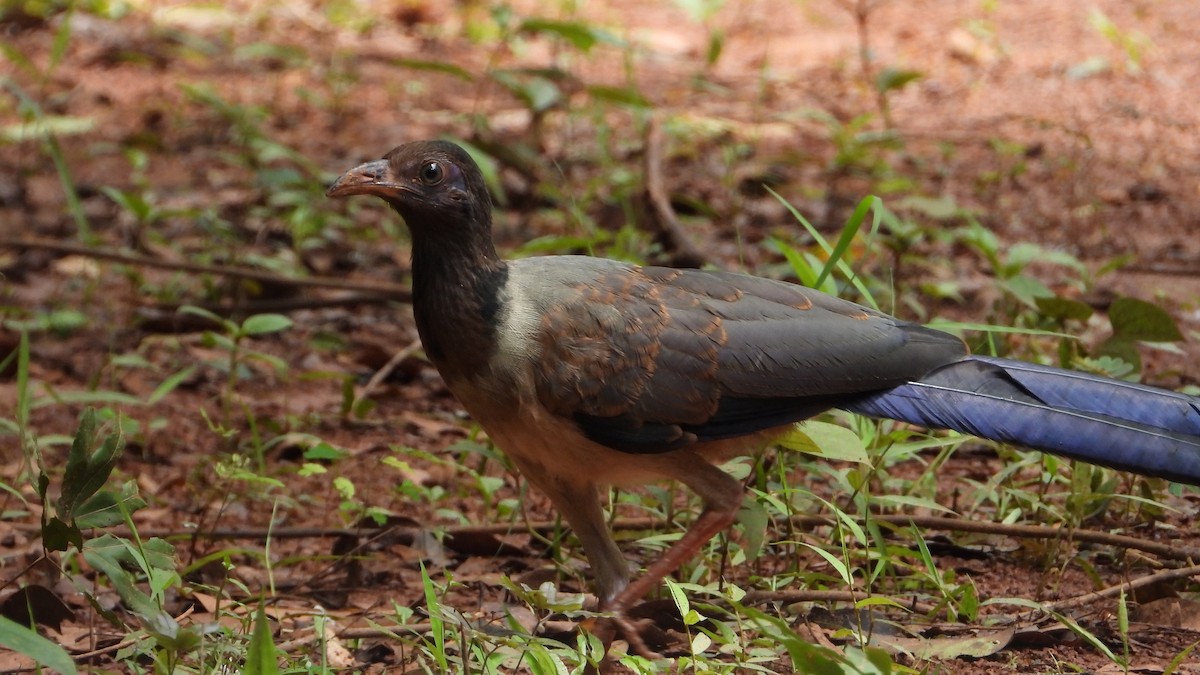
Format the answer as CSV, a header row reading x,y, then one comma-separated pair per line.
x,y
429,183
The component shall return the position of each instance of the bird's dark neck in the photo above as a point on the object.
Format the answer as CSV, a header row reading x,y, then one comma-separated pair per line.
x,y
457,286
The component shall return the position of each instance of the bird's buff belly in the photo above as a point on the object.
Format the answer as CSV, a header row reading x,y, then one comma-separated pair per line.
x,y
532,437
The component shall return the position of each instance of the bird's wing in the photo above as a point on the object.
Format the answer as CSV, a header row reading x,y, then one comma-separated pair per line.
x,y
652,359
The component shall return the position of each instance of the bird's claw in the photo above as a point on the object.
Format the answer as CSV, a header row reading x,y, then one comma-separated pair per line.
x,y
616,624
632,633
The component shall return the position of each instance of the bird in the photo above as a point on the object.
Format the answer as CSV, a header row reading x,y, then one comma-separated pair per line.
x,y
590,373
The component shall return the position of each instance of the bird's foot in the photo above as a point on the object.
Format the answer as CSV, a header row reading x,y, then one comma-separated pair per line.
x,y
632,632
617,624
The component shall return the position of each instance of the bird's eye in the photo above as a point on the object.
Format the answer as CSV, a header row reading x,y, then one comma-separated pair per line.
x,y
432,173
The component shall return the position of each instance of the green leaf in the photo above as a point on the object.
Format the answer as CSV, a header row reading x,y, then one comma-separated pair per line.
x,y
267,51
1025,289
132,202
829,441
106,509
754,519
260,324
627,96
58,535
678,596
1180,659
154,553
87,471
159,554
345,487
437,67
890,79
1022,254
46,126
26,641
98,397
804,268
65,321
1117,347
538,93
581,35
937,208
226,325
105,555
23,397
1063,308
168,385
260,657
716,45
1134,319
323,450
849,232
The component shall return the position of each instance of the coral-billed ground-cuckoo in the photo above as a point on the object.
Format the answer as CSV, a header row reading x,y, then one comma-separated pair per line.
x,y
589,372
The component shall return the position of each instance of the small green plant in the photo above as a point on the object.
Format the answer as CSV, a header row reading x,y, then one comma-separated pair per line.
x,y
140,203
860,151
232,341
141,571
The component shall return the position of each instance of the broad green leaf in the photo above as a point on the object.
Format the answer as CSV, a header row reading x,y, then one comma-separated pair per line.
x,y
105,509
1024,253
45,653
890,79
1121,349
323,450
1134,319
538,93
268,51
260,657
1063,308
581,35
105,554
88,470
58,535
827,440
1025,288
627,96
260,324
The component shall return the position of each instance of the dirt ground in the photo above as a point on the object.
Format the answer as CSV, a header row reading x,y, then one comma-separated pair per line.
x,y
1036,118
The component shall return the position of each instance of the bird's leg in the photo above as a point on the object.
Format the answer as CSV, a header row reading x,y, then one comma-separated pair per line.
x,y
722,497
579,504
710,523
578,501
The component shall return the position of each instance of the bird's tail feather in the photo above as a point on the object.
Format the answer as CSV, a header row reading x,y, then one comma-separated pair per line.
x,y
1110,422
